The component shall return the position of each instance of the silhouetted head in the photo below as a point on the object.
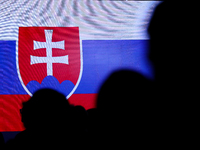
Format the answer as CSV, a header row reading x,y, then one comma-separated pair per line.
x,y
125,96
171,41
122,89
46,109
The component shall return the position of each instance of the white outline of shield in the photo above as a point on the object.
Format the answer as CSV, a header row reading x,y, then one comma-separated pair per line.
x,y
79,78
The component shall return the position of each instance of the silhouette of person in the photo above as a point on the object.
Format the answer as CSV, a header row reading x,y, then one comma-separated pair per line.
x,y
173,54
125,110
45,117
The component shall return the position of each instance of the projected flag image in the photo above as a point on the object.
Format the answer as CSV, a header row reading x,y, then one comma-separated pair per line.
x,y
69,46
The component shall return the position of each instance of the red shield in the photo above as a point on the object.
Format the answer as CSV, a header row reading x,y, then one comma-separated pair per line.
x,y
49,51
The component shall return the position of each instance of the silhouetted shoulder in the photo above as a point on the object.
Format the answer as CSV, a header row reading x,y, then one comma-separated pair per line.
x,y
46,119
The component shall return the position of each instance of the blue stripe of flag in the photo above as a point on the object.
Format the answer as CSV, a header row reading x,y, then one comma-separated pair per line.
x,y
100,59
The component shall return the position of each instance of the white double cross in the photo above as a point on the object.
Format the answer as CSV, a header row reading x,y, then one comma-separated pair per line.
x,y
49,59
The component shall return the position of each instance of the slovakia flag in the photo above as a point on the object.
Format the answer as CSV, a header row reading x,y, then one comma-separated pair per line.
x,y
71,46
